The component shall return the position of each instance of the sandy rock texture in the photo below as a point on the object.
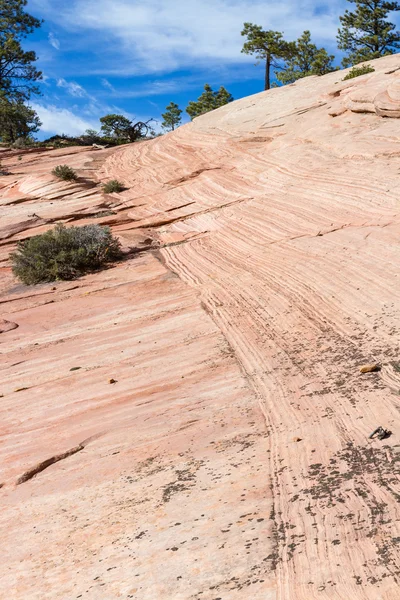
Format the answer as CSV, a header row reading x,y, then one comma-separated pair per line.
x,y
193,422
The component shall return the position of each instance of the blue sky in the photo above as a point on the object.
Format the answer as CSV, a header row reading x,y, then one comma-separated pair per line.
x,y
133,57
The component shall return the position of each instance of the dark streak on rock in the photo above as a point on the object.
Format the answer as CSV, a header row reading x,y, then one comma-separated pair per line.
x,y
47,463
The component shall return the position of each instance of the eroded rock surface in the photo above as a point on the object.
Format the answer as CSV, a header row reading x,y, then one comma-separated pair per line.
x,y
230,456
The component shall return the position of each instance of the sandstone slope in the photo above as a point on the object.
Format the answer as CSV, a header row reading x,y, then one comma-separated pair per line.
x,y
230,459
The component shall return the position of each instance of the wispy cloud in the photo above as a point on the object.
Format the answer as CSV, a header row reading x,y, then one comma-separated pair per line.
x,y
46,80
53,41
105,83
125,51
161,36
74,89
157,88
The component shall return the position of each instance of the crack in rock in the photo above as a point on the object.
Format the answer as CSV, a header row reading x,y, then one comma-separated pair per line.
x,y
47,463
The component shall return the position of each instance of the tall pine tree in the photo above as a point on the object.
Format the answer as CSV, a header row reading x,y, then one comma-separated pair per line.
x,y
268,46
366,33
18,75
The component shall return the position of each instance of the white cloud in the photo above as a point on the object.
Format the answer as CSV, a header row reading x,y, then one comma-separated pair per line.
x,y
105,83
154,105
45,80
61,120
72,88
173,85
157,88
165,35
53,41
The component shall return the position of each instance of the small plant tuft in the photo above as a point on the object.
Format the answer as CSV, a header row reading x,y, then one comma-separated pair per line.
x,y
64,253
65,172
113,186
358,71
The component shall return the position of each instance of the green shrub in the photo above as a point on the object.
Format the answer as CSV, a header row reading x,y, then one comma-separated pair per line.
x,y
65,172
357,71
64,253
113,186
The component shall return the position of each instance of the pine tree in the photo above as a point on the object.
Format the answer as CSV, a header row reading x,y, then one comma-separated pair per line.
x,y
172,117
209,100
205,103
222,97
17,121
18,75
266,45
306,59
366,34
15,21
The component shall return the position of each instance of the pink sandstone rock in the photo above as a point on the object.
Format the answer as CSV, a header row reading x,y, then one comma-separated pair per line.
x,y
230,459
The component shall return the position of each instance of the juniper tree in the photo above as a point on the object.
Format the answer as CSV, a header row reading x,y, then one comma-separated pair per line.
x,y
122,130
172,117
117,126
209,100
366,33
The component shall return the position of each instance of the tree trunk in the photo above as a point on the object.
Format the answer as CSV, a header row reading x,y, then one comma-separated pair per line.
x,y
376,26
267,72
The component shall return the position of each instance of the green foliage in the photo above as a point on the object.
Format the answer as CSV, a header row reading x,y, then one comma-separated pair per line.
x,y
115,125
86,139
172,117
122,130
64,253
358,71
268,46
305,59
17,121
113,186
18,75
91,136
65,172
209,100
58,141
291,60
15,21
65,141
365,33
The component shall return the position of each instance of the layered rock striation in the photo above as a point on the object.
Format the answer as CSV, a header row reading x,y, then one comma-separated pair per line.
x,y
192,423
